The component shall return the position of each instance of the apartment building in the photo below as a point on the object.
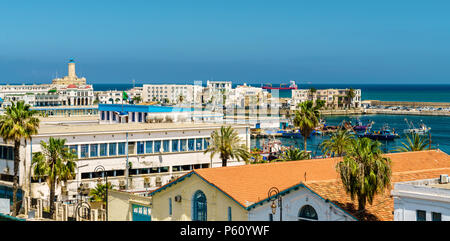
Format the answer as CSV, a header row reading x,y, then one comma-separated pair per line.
x,y
334,98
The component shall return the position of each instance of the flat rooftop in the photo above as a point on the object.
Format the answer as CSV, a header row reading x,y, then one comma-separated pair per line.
x,y
50,129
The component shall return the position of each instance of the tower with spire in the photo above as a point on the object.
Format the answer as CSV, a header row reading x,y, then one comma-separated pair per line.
x,y
71,78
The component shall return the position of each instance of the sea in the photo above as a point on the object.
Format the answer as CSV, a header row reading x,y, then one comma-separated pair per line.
x,y
440,125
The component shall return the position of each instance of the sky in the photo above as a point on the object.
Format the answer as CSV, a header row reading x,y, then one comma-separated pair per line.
x,y
252,41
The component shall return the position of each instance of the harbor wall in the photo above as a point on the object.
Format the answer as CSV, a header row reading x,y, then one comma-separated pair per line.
x,y
409,103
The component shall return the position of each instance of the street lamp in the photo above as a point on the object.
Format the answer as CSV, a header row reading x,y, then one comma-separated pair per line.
x,y
101,168
272,195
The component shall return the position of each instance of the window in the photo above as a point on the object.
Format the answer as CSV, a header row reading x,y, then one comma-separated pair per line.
x,y
140,147
131,147
436,216
170,206
103,149
183,145
94,150
84,150
74,149
103,115
229,214
112,149
132,117
149,147
175,145
270,217
166,144
206,143
121,148
198,144
114,117
307,213
139,117
421,215
158,146
199,206
191,144
107,115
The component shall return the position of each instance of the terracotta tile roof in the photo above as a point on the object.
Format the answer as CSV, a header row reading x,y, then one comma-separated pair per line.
x,y
249,184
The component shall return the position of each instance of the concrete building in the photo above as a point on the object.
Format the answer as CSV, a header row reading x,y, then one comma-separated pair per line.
x,y
126,206
170,93
115,96
71,77
422,200
334,98
310,190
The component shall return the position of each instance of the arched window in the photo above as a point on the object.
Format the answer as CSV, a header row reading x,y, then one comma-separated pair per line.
x,y
199,206
307,213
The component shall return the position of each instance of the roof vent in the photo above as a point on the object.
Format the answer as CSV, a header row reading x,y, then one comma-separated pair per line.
x,y
443,179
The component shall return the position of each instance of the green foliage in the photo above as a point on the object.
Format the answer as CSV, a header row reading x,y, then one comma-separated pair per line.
x,y
337,144
364,171
414,142
307,118
226,143
293,154
19,122
98,194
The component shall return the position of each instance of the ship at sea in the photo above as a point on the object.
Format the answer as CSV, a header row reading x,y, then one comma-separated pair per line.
x,y
292,86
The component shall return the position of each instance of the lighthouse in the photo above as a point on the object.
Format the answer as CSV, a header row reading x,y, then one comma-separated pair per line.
x,y
71,70
71,78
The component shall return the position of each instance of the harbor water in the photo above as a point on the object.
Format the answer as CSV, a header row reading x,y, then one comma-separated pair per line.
x,y
440,131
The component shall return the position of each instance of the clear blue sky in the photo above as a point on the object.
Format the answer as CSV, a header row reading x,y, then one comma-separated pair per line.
x,y
240,40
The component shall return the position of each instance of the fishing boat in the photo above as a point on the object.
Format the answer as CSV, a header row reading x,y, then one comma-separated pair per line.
x,y
360,127
422,130
384,134
292,86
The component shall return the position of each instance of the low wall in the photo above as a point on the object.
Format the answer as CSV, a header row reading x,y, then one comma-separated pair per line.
x,y
410,103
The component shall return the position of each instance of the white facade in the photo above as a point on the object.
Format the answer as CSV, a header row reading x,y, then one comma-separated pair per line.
x,y
423,200
156,153
333,97
172,93
293,203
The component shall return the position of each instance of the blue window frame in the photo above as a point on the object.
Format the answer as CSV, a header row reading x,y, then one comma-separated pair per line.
x,y
149,147
198,144
206,143
74,149
103,115
107,115
103,149
191,144
140,147
141,213
199,206
121,148
166,145
183,144
94,150
307,212
112,149
114,116
139,117
175,145
229,214
157,146
170,206
84,150
133,118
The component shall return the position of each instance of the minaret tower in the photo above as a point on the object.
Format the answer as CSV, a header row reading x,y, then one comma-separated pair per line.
x,y
71,72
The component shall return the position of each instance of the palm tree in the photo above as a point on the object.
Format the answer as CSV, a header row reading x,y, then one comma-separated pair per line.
x,y
293,154
414,142
364,171
56,162
306,119
98,194
337,144
137,99
180,99
350,95
226,143
19,122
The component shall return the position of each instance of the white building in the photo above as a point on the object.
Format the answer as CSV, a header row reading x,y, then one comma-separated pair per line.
x,y
171,93
334,98
422,200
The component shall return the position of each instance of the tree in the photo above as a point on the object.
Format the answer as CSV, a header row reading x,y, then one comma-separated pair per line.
x,y
180,99
306,119
414,142
364,171
293,154
337,144
137,99
226,143
19,122
56,163
350,95
98,194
